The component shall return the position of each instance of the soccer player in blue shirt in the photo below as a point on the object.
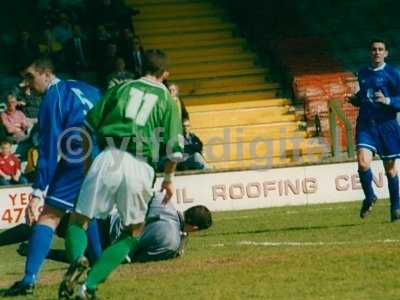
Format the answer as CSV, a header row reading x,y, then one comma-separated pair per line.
x,y
377,130
60,164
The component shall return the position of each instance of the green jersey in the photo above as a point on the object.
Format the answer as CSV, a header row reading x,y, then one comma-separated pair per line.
x,y
137,117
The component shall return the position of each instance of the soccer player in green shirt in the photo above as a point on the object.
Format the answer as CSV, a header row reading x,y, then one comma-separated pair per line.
x,y
129,123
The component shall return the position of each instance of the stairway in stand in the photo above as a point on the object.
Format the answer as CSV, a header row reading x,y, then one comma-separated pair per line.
x,y
234,108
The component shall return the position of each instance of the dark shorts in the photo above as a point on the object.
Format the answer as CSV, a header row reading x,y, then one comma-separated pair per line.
x,y
65,186
382,139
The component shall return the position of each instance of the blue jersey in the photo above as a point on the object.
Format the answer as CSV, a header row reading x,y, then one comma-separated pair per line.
x,y
385,79
61,114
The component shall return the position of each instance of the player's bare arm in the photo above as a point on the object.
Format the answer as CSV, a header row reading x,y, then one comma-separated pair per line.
x,y
167,184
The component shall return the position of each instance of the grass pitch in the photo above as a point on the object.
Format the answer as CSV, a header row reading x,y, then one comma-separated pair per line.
x,y
306,253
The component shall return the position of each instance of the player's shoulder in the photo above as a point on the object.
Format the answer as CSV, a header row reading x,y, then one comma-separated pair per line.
x,y
146,86
157,88
392,70
80,85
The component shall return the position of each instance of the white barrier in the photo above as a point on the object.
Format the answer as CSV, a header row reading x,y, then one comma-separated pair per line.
x,y
243,190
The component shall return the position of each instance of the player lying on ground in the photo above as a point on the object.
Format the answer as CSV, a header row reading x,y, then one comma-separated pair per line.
x,y
163,237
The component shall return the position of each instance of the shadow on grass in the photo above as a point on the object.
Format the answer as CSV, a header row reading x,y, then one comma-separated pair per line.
x,y
289,229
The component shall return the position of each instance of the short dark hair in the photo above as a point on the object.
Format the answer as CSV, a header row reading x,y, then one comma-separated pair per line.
x,y
42,64
378,40
5,141
199,216
154,62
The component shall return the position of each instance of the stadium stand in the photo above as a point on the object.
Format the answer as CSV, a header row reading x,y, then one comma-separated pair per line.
x,y
235,105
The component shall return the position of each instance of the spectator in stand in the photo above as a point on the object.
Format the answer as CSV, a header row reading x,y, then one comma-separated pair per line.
x,y
135,57
101,39
77,52
120,75
49,47
62,32
174,90
108,63
111,13
125,44
47,11
15,122
10,167
25,49
193,158
75,8
29,103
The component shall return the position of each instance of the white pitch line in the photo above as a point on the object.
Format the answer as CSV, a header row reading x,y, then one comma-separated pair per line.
x,y
300,244
293,212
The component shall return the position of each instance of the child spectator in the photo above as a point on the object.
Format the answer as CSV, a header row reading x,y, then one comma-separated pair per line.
x,y
10,168
15,122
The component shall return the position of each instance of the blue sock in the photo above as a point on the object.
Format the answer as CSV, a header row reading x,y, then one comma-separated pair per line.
x,y
366,183
94,243
39,246
393,183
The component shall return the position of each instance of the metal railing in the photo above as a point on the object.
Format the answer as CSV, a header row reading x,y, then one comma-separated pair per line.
x,y
335,111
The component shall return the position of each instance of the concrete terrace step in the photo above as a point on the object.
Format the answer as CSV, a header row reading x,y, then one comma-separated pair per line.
x,y
241,117
185,37
195,28
273,87
177,22
204,51
219,98
188,86
211,66
248,133
160,16
247,56
238,105
188,7
139,3
190,45
263,149
218,73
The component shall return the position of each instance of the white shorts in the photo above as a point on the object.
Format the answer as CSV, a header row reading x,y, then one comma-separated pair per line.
x,y
116,179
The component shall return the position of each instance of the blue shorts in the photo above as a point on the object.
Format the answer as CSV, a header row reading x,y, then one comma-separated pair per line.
x,y
380,138
65,186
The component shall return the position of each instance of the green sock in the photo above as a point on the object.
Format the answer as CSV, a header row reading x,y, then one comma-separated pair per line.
x,y
75,242
110,259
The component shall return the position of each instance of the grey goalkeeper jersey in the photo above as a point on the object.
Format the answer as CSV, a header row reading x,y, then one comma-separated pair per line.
x,y
162,236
